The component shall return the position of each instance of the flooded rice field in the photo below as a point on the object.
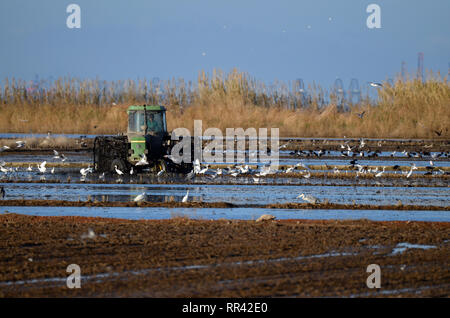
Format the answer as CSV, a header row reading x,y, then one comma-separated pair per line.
x,y
337,174
237,195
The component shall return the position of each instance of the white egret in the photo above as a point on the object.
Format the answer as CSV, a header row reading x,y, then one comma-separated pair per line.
x,y
244,169
290,169
85,171
202,171
118,171
185,198
300,164
379,174
308,198
196,165
265,170
140,197
413,167
20,143
143,161
409,173
42,167
56,155
362,144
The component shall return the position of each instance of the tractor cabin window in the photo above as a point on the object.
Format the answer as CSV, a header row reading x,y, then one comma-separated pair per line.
x,y
136,122
156,122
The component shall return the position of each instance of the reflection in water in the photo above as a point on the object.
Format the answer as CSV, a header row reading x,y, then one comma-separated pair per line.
x,y
148,198
236,194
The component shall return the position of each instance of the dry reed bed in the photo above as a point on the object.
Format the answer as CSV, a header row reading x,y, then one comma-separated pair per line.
x,y
405,109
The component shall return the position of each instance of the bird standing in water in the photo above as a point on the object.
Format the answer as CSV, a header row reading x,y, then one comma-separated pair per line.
x,y
140,197
185,198
2,192
118,171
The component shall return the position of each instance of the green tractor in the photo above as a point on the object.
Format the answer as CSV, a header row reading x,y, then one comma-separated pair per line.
x,y
145,146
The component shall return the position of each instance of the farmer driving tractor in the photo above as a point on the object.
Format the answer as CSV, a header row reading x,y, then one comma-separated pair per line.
x,y
153,124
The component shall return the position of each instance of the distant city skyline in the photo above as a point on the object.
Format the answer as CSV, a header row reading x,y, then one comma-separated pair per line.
x,y
316,41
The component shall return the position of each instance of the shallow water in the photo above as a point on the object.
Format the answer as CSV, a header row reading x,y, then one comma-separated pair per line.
x,y
236,194
234,213
72,157
402,247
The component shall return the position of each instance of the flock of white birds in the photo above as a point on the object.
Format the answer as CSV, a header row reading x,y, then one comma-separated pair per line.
x,y
234,171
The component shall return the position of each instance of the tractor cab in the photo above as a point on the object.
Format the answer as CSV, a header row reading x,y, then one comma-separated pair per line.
x,y
147,131
146,120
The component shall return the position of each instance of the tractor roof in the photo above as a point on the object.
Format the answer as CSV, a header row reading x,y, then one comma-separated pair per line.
x,y
148,107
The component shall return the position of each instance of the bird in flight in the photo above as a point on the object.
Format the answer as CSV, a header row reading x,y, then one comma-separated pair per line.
x,y
143,161
374,84
20,143
42,167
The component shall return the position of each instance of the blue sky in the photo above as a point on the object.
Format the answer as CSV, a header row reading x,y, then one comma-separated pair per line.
x,y
270,40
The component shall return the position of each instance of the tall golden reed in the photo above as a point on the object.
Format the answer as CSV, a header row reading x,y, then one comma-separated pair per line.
x,y
409,108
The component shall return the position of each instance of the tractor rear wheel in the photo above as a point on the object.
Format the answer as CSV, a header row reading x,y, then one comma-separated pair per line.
x,y
109,149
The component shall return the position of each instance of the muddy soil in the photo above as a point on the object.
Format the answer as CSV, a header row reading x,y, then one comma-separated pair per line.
x,y
181,257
